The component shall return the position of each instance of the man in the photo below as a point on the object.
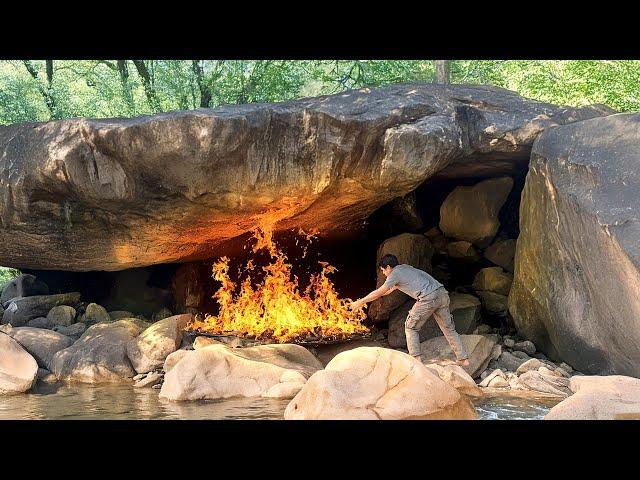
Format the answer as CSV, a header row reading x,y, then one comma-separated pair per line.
x,y
431,298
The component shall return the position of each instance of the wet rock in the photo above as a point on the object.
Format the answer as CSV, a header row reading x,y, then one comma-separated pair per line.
x,y
46,376
502,253
377,383
575,291
42,344
72,330
528,347
455,376
18,369
539,382
62,315
613,397
493,302
410,248
99,355
24,285
462,250
478,348
217,371
149,380
20,310
149,350
471,213
95,313
493,279
530,365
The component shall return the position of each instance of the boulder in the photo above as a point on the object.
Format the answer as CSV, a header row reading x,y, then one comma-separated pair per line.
x,y
24,285
509,362
217,371
161,314
494,302
18,369
40,343
471,213
173,359
455,376
40,322
95,313
462,250
412,249
120,314
149,350
530,365
478,348
489,378
397,337
377,383
525,346
498,382
613,397
99,355
62,315
178,186
493,279
73,330
502,253
22,309
325,353
540,382
577,270
465,309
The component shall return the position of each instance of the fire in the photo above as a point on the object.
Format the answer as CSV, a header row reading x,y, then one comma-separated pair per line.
x,y
274,308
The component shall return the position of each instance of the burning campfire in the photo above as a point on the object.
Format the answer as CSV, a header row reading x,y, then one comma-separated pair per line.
x,y
274,309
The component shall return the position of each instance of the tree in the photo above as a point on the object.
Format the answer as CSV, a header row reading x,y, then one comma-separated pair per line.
x,y
443,72
147,83
46,92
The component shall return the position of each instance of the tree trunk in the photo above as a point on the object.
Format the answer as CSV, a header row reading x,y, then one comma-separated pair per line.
x,y
123,70
152,98
46,93
205,91
443,73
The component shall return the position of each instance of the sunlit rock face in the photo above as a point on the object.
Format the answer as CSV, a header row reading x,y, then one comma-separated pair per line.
x,y
576,287
113,194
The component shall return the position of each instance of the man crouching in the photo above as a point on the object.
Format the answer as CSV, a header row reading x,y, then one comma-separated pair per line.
x,y
431,298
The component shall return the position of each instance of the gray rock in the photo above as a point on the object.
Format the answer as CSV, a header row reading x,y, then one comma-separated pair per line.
x,y
40,322
24,285
566,367
397,336
526,346
509,362
478,347
21,310
95,313
521,355
62,315
465,309
120,314
509,342
72,330
40,343
371,145
575,295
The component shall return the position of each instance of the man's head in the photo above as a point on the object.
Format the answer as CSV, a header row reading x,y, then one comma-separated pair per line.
x,y
387,262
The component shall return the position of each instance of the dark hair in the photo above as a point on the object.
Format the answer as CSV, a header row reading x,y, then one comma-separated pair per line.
x,y
388,260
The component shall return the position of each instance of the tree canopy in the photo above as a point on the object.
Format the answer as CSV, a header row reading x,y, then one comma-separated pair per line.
x,y
38,90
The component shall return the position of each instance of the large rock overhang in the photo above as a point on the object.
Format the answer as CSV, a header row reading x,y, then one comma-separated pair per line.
x,y
113,194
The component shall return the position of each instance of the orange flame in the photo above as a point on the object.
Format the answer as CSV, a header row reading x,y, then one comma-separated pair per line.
x,y
275,308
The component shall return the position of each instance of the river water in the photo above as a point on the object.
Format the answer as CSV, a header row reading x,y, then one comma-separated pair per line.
x,y
77,401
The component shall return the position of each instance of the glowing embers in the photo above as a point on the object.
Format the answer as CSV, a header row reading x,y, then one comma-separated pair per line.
x,y
274,308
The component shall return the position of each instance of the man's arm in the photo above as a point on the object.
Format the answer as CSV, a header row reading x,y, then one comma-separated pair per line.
x,y
377,293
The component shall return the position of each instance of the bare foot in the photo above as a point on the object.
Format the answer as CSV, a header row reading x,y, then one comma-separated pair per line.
x,y
463,363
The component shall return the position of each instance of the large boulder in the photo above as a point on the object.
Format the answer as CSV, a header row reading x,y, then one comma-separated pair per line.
x,y
18,369
544,382
478,347
455,376
502,253
576,289
174,187
149,350
62,315
95,313
99,355
371,383
471,213
24,285
493,279
412,249
40,343
218,371
22,309
614,397
465,309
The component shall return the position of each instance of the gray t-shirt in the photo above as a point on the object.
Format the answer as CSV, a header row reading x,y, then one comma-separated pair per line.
x,y
412,281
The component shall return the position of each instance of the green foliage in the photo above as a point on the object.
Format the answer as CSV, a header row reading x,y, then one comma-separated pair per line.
x,y
107,88
6,275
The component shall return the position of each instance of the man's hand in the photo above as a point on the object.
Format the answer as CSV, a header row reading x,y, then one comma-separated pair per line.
x,y
356,305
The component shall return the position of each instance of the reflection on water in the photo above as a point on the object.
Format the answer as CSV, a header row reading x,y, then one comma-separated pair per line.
x,y
120,402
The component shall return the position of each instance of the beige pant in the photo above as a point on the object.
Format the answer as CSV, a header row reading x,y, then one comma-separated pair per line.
x,y
436,303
